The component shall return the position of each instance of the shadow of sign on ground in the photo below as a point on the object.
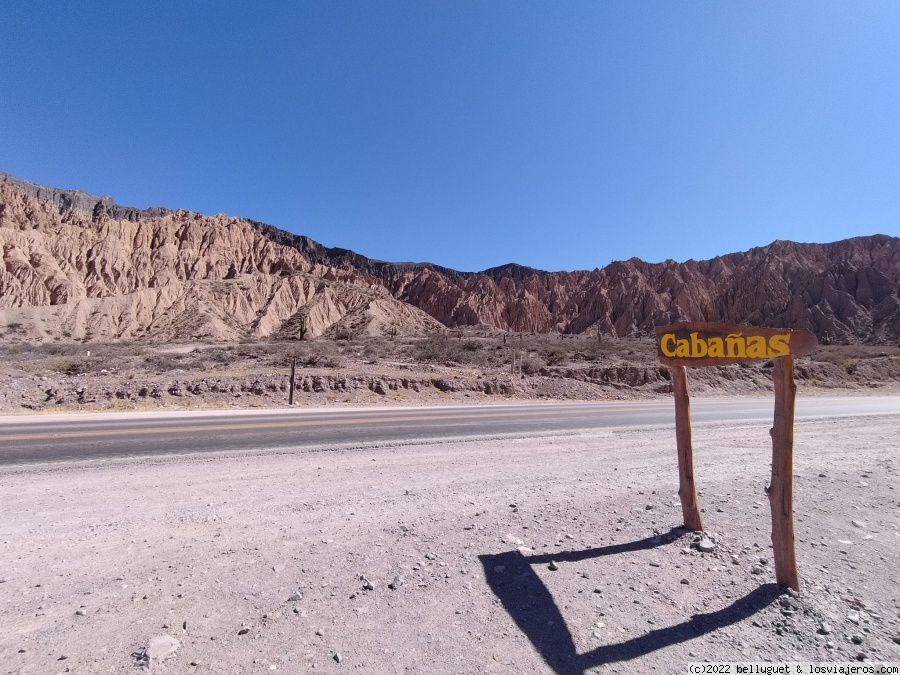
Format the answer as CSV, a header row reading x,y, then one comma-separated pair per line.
x,y
512,578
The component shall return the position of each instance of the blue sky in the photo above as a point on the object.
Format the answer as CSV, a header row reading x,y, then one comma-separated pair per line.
x,y
560,135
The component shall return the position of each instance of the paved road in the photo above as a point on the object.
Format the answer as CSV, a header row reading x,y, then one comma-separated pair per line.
x,y
92,436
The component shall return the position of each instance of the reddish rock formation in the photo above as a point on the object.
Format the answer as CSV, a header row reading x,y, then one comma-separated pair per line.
x,y
81,266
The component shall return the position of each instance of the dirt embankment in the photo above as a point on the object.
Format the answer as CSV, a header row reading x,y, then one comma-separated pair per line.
x,y
481,367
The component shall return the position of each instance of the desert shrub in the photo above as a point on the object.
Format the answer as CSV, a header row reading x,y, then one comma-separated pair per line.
x,y
434,348
164,362
555,356
61,349
441,349
319,354
532,365
78,365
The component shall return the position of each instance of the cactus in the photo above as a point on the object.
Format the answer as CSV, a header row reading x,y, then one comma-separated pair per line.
x,y
302,326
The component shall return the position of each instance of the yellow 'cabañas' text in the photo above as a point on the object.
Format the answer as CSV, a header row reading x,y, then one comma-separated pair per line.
x,y
733,346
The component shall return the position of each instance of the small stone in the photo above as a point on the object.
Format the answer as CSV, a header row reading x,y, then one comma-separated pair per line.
x,y
161,647
734,560
858,523
861,656
296,597
757,569
368,585
824,628
184,625
853,617
649,507
705,546
598,590
686,582
396,583
553,566
856,639
337,657
655,563
763,561
896,639
81,612
404,528
829,645
789,603
320,633
243,631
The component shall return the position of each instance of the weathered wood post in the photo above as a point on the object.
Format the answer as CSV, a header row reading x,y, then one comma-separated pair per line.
x,y
291,384
709,344
781,488
687,491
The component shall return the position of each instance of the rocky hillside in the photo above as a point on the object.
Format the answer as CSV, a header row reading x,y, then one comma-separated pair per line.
x,y
81,266
847,291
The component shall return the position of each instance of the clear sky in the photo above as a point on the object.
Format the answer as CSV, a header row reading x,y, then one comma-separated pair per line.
x,y
560,135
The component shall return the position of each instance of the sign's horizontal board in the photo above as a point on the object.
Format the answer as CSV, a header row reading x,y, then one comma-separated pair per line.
x,y
715,344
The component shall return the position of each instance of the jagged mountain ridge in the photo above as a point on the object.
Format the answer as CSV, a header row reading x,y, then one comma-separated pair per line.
x,y
70,270
265,276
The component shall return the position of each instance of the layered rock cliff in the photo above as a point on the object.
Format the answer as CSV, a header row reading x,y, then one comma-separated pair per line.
x,y
72,270
846,291
78,267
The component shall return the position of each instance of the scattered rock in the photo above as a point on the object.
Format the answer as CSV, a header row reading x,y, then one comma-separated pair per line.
x,y
553,566
858,523
243,631
161,647
705,546
856,639
337,657
686,582
824,628
396,583
296,597
79,612
853,617
655,563
757,569
368,585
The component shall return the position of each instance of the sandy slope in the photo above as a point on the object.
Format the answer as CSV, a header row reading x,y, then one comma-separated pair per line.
x,y
219,545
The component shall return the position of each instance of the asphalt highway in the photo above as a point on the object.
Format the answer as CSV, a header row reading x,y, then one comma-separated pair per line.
x,y
43,438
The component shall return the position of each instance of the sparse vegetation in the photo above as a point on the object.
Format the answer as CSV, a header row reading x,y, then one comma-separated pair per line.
x,y
466,354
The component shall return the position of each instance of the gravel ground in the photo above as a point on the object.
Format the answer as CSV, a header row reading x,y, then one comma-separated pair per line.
x,y
551,554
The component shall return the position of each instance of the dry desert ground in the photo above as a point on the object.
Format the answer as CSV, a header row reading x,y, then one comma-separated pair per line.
x,y
550,554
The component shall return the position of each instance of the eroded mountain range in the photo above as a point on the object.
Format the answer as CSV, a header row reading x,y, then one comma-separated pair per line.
x,y
79,267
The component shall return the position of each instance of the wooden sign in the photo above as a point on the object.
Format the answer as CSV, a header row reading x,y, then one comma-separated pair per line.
x,y
710,344
715,344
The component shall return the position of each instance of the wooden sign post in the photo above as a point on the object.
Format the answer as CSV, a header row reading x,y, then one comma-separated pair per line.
x,y
711,344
